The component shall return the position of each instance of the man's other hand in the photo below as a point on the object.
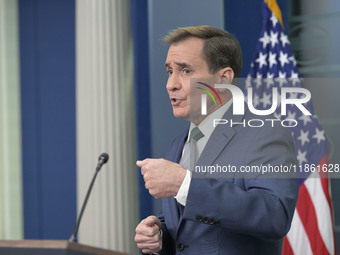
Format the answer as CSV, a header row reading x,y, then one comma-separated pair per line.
x,y
148,235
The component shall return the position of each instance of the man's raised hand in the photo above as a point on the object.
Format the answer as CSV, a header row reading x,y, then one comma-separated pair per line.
x,y
162,178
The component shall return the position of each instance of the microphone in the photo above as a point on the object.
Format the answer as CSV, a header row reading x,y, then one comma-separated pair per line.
x,y
103,158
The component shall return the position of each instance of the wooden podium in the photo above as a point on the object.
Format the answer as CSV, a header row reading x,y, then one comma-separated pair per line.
x,y
50,247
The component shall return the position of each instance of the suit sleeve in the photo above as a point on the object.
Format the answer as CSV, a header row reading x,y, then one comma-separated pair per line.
x,y
252,205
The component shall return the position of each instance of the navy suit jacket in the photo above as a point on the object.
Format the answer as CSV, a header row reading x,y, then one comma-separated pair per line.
x,y
241,214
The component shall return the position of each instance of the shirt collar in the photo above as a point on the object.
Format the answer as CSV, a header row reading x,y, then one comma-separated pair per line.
x,y
206,126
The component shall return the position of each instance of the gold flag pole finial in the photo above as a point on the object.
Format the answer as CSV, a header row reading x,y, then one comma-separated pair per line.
x,y
273,6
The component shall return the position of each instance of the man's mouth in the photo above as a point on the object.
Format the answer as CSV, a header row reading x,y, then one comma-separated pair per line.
x,y
176,101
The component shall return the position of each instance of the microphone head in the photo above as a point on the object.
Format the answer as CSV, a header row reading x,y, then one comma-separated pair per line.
x,y
104,157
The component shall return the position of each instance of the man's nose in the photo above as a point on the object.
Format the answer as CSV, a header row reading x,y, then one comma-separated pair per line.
x,y
173,82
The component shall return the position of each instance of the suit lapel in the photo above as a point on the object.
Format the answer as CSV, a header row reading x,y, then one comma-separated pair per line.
x,y
219,139
170,208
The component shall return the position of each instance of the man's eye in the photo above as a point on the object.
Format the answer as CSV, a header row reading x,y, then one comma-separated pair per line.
x,y
169,72
187,71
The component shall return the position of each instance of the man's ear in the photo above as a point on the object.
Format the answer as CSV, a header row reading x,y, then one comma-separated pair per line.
x,y
227,75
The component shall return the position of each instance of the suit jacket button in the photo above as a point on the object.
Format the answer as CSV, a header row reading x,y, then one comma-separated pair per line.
x,y
211,221
199,218
205,220
180,247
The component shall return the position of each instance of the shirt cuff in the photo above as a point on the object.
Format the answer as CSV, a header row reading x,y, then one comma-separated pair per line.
x,y
182,194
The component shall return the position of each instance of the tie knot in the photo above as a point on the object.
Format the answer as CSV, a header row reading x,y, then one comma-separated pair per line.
x,y
195,134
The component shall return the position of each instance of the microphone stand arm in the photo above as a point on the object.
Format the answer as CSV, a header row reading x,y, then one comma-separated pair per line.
x,y
74,236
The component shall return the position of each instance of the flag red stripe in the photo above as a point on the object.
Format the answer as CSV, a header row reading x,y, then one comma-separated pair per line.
x,y
287,249
325,182
325,186
306,210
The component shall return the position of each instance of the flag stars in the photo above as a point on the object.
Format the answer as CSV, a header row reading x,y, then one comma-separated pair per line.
x,y
274,20
266,99
272,59
293,95
273,38
270,75
261,59
258,82
281,79
303,137
282,75
269,81
290,117
293,60
294,78
319,135
284,39
301,157
277,115
294,75
306,119
265,39
256,100
283,58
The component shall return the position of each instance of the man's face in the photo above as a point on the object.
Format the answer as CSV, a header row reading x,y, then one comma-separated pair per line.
x,y
184,61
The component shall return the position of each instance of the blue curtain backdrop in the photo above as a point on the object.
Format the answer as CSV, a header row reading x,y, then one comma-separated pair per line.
x,y
139,21
47,63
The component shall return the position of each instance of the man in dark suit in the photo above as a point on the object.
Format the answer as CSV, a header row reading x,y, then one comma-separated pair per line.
x,y
227,212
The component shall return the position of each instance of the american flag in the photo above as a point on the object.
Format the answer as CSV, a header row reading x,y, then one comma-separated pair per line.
x,y
312,230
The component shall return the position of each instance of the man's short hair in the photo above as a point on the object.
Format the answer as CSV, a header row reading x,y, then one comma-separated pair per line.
x,y
220,49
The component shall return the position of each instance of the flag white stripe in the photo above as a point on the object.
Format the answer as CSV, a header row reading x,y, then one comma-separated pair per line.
x,y
322,210
298,238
